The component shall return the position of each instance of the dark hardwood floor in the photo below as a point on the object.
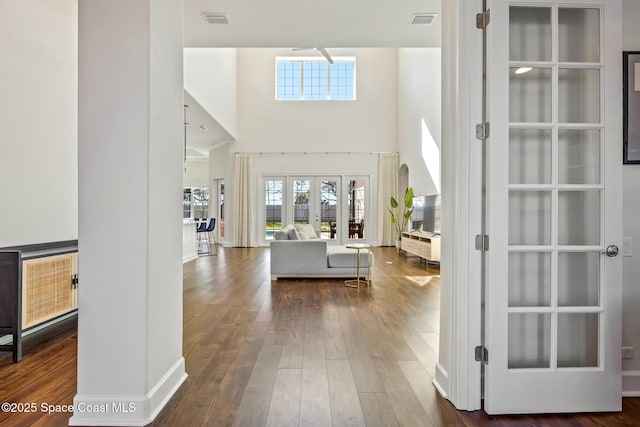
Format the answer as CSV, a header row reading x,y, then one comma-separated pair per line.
x,y
289,353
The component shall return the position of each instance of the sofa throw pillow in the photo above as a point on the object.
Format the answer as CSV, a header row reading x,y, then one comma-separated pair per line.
x,y
303,236
293,234
281,235
306,229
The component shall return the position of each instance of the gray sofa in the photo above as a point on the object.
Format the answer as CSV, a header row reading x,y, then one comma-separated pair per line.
x,y
299,252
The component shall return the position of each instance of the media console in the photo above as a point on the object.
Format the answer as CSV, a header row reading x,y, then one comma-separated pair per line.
x,y
424,245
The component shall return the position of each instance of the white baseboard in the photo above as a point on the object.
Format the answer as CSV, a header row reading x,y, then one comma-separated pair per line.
x,y
128,410
189,257
630,383
441,380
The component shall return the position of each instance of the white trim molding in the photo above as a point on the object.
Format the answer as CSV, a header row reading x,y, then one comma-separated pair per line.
x,y
129,410
630,383
441,380
458,375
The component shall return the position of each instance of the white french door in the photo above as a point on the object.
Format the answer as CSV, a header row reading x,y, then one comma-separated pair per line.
x,y
554,203
315,201
336,206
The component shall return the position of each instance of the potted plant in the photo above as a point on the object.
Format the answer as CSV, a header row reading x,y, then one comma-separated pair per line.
x,y
400,218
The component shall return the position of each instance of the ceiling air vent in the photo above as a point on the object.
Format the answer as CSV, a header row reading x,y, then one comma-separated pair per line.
x,y
215,18
423,18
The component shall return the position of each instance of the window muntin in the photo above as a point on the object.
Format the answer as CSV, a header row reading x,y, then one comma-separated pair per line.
x,y
314,79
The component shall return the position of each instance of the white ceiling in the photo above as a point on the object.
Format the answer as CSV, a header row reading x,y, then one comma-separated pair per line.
x,y
311,23
299,23
200,141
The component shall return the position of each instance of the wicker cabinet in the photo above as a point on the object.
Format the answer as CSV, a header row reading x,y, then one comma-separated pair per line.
x,y
424,245
38,284
48,288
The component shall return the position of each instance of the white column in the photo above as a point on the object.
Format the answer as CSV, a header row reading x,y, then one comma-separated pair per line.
x,y
130,140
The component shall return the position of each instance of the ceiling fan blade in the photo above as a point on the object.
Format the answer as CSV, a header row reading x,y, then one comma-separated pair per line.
x,y
326,54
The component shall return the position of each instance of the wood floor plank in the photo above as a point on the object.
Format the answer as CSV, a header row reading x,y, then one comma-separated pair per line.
x,y
421,349
284,409
377,410
334,344
345,403
364,372
421,384
293,346
315,406
256,399
403,400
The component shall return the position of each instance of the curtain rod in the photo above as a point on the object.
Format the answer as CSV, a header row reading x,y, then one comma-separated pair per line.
x,y
282,153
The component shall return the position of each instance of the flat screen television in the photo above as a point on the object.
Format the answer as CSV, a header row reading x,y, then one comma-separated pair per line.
x,y
426,214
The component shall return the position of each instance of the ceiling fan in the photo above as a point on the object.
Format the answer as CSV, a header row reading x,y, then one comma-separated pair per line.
x,y
322,50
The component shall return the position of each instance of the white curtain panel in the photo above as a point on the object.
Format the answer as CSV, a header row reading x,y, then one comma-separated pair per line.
x,y
387,187
242,201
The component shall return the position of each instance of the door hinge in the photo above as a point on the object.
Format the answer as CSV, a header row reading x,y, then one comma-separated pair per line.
x,y
482,242
482,354
482,131
74,281
482,20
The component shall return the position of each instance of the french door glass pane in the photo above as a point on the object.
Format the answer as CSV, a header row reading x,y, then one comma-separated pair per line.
x,y
578,35
529,340
544,284
578,95
578,156
529,33
530,95
356,208
529,279
273,207
579,279
529,156
578,340
529,217
579,217
301,196
328,208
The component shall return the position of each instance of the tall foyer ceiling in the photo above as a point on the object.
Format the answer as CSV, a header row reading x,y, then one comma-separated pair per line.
x,y
311,23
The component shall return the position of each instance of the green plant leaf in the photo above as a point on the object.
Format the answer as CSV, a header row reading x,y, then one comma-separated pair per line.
x,y
394,202
408,197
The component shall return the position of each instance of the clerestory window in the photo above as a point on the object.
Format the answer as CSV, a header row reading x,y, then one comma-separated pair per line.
x,y
314,79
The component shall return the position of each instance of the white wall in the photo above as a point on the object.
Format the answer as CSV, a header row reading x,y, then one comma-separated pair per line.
x,y
631,220
419,116
38,121
197,173
210,76
367,124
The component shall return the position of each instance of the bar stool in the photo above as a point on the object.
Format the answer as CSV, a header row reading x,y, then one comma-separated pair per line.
x,y
204,232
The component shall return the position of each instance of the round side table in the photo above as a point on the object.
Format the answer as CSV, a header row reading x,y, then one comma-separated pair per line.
x,y
356,283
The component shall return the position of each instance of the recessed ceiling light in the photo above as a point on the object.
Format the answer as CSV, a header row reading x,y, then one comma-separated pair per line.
x,y
423,18
215,18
